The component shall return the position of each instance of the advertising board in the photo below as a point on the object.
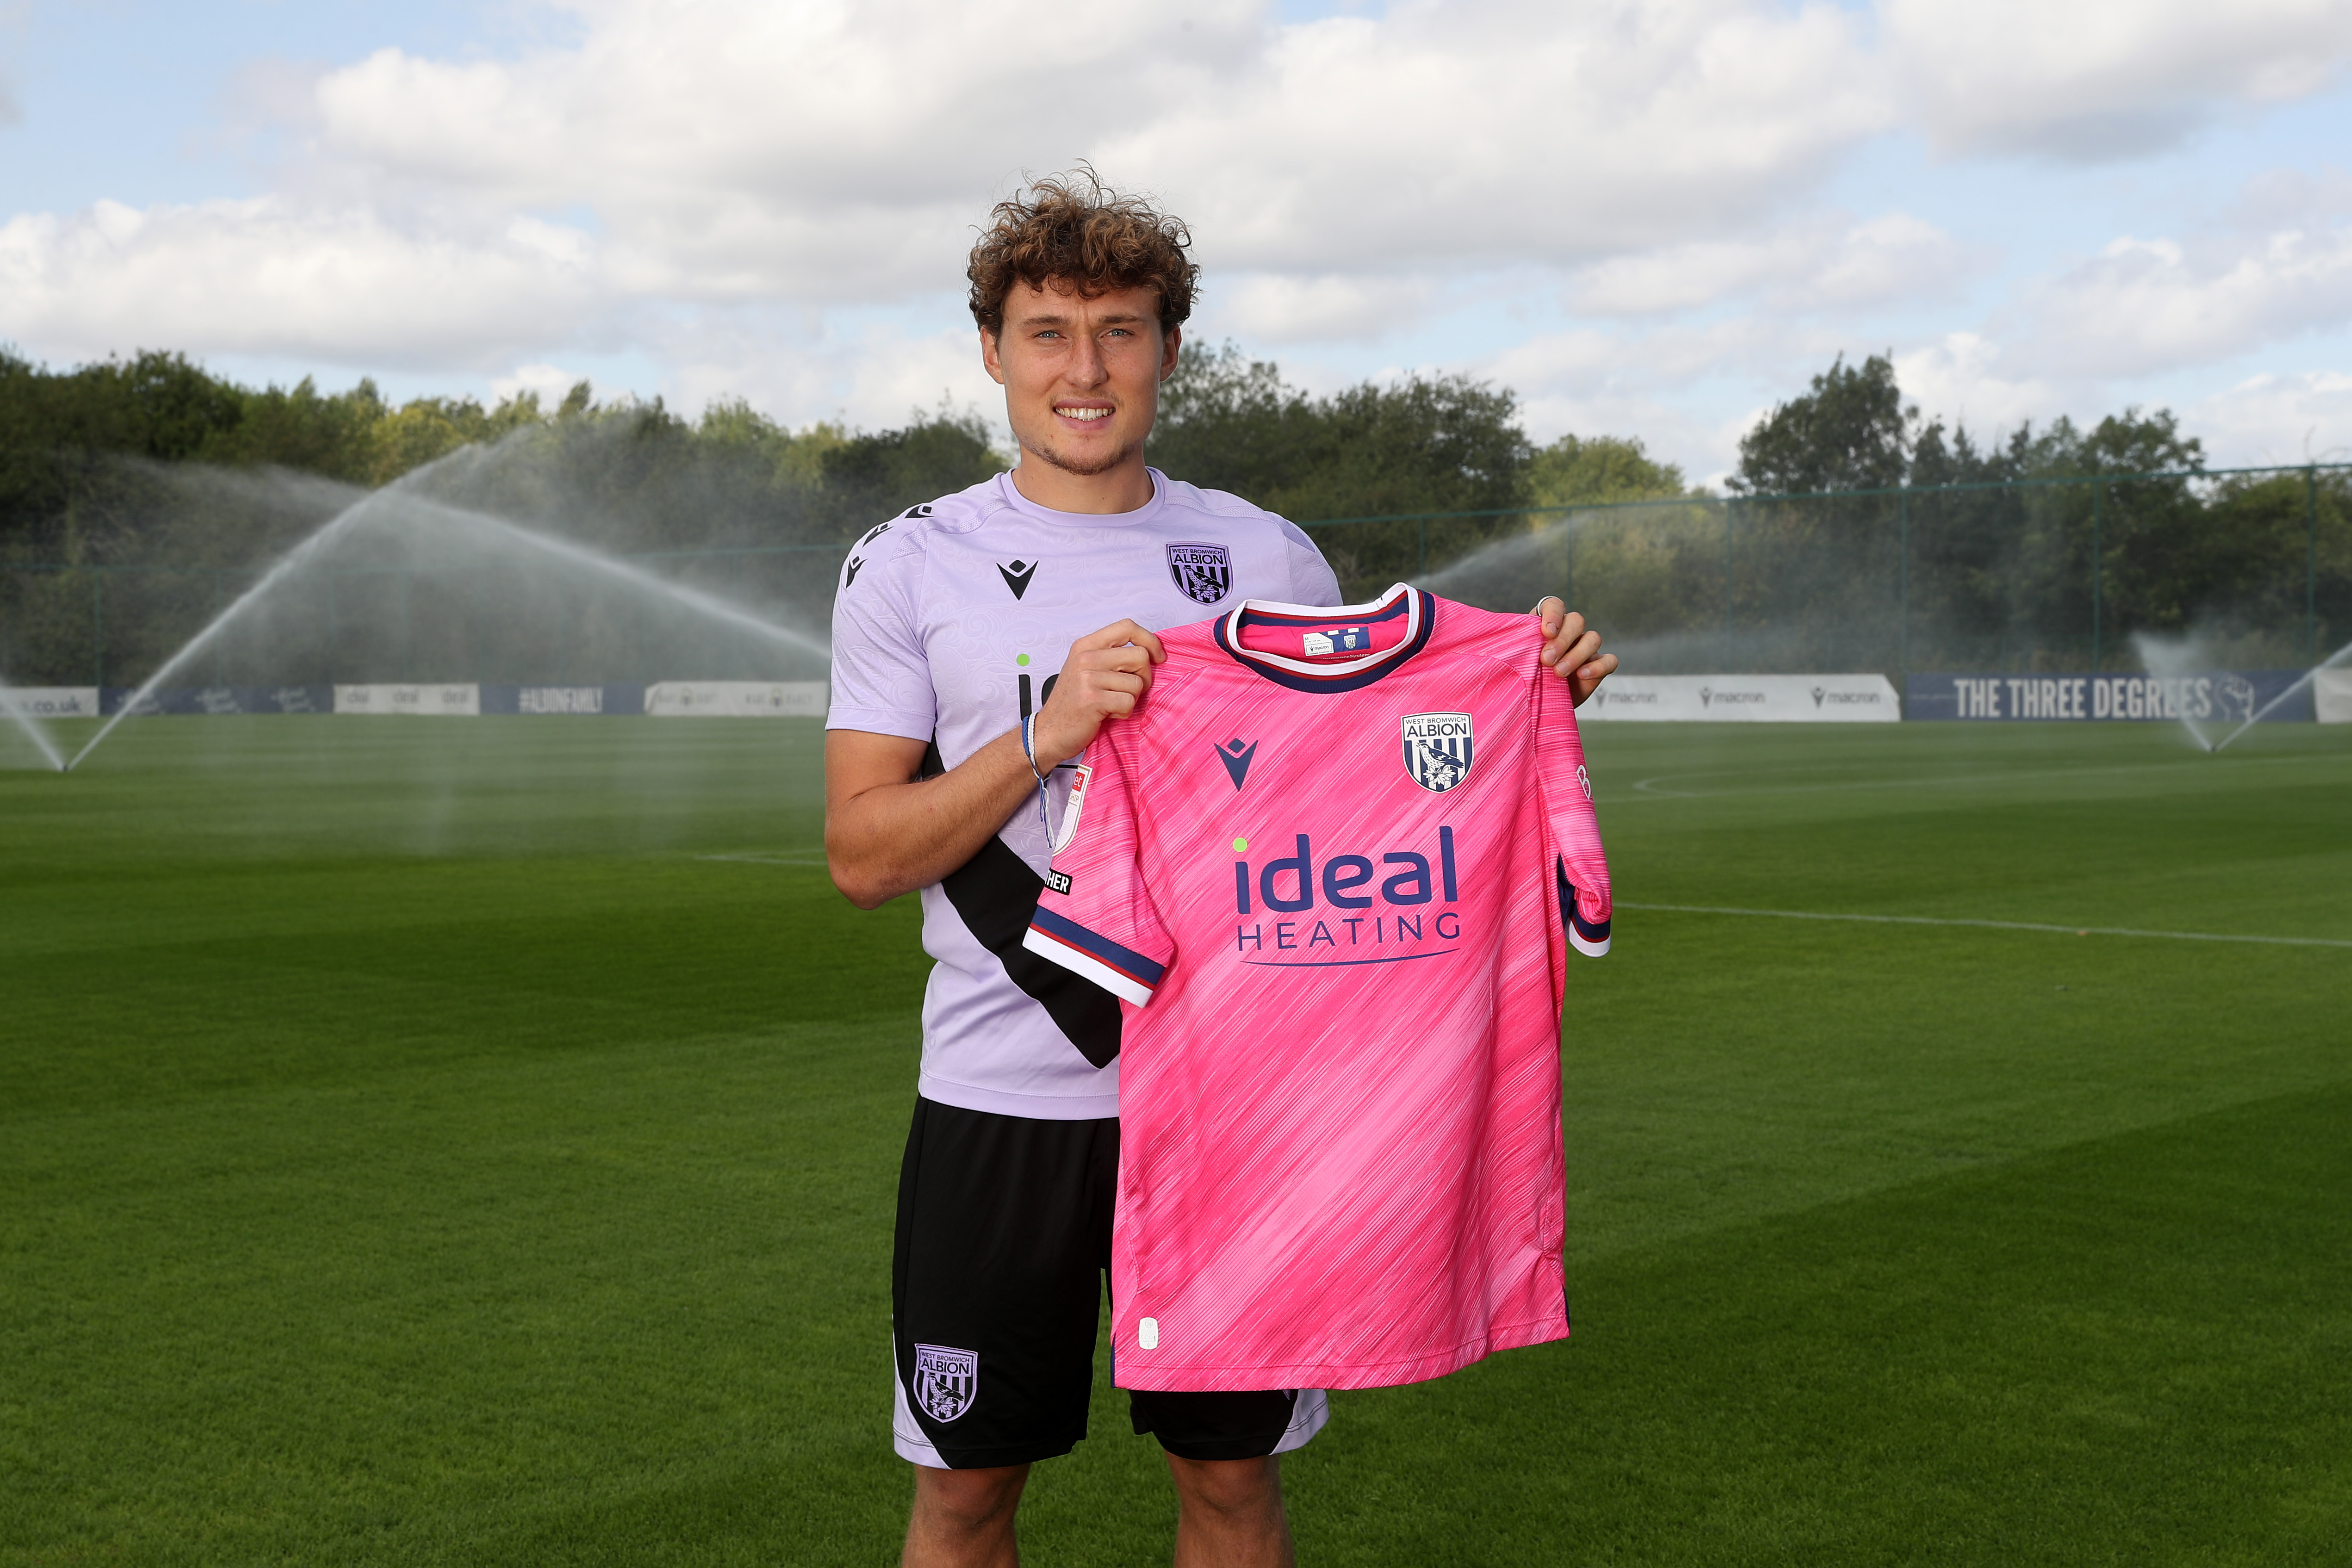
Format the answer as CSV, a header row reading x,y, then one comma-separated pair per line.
x,y
2331,695
52,702
1746,699
609,700
736,699
211,700
436,700
2218,696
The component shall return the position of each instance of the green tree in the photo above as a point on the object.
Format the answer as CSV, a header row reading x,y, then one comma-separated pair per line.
x,y
1600,470
1849,432
1425,445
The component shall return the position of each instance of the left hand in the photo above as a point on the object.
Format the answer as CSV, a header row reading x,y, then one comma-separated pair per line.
x,y
1574,649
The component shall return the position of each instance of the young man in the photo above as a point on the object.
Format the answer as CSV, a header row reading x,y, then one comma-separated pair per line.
x,y
948,623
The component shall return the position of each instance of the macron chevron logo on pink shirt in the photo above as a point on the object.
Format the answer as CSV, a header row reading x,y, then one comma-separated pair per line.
x,y
1334,865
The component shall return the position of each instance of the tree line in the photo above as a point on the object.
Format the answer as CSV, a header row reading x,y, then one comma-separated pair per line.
x,y
2000,572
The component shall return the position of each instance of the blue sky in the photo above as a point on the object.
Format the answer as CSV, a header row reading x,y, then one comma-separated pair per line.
x,y
1646,219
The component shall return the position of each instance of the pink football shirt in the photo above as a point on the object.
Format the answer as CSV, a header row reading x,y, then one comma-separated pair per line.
x,y
1331,867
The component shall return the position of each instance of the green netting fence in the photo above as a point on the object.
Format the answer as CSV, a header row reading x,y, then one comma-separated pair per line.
x,y
2056,573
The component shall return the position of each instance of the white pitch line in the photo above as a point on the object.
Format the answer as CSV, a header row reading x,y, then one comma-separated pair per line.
x,y
1999,926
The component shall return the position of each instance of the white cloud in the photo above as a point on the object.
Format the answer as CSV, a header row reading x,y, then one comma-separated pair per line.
x,y
549,381
1820,265
773,198
875,375
1278,308
1960,378
737,149
269,276
2104,78
2145,306
2277,419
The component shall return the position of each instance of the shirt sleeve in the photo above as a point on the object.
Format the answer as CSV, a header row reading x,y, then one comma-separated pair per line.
x,y
1312,580
1095,917
881,671
1580,867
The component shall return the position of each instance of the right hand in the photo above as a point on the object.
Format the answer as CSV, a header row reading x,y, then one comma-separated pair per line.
x,y
1105,677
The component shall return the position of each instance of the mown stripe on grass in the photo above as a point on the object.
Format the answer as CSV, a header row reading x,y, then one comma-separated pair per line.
x,y
1994,924
2127,1352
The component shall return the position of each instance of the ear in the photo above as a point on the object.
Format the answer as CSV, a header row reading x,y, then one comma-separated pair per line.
x,y
988,357
1170,341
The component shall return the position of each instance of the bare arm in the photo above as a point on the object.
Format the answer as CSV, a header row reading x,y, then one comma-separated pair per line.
x,y
888,832
1573,650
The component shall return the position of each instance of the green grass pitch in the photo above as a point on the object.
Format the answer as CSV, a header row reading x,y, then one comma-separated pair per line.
x,y
473,1142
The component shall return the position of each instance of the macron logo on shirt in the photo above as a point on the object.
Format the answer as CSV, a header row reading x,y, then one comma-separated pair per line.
x,y
1017,576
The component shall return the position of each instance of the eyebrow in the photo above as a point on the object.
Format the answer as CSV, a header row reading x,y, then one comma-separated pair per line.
x,y
1125,319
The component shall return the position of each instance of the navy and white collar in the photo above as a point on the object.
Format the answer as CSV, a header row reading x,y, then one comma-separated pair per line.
x,y
1417,609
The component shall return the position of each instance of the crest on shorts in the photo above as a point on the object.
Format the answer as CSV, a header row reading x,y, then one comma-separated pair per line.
x,y
1437,750
1203,573
946,1380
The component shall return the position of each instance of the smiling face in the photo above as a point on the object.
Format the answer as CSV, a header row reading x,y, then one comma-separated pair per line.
x,y
1081,380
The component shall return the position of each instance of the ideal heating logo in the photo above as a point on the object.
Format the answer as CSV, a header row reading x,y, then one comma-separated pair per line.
x,y
1374,914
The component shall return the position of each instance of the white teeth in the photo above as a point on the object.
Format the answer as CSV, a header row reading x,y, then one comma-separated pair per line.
x,y
1084,413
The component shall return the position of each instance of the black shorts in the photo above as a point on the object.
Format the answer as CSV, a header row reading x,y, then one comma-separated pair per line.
x,y
996,1294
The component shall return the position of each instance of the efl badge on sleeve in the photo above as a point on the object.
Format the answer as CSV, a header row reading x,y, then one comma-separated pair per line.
x,y
1203,573
946,1381
1437,750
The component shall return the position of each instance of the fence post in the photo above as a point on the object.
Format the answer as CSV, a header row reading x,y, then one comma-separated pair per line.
x,y
2311,563
2098,519
1726,635
1568,538
97,633
1903,595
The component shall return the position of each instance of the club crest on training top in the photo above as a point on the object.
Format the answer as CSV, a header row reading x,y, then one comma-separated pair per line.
x,y
1203,573
947,1380
1437,750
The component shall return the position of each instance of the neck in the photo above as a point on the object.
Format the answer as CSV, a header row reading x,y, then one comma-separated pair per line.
x,y
1124,488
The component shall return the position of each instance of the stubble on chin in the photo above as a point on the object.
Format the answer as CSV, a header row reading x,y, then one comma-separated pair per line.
x,y
1078,467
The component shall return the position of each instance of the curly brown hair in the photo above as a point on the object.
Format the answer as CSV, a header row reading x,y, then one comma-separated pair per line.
x,y
1070,229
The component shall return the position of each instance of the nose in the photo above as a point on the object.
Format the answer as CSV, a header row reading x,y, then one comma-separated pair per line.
x,y
1087,365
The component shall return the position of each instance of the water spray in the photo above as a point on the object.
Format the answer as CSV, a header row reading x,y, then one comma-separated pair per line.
x,y
637,577
291,561
2302,680
402,493
33,728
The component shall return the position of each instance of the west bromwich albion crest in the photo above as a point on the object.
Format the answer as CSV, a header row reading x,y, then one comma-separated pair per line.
x,y
1203,573
947,1380
1437,750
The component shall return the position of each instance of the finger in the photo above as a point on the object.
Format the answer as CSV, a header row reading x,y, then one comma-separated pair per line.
x,y
1120,633
1549,609
1571,633
1129,657
1110,637
1582,652
1590,675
